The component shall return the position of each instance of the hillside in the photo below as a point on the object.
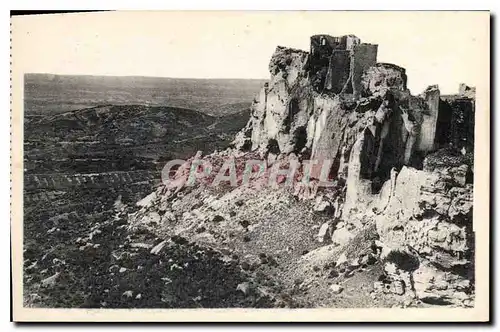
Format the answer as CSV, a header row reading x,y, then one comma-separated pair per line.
x,y
123,138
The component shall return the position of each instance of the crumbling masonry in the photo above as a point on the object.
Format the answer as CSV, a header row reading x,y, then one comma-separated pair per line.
x,y
337,63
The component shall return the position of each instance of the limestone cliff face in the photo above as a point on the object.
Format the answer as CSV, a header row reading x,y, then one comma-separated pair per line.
x,y
429,216
337,103
402,163
318,106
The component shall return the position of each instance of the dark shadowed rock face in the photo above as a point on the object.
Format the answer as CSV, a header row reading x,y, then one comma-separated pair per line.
x,y
460,129
455,127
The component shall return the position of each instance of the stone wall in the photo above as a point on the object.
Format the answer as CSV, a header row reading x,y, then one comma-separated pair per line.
x,y
351,41
364,56
429,124
337,63
339,70
326,44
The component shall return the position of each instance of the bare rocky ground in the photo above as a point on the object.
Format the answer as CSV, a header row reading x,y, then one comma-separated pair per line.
x,y
101,264
271,259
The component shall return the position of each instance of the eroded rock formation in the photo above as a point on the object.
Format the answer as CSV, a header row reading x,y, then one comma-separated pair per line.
x,y
401,165
301,111
407,161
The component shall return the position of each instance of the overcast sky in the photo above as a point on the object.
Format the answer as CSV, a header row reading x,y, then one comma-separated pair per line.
x,y
435,47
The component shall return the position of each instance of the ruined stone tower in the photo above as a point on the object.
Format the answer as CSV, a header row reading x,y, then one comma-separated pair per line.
x,y
337,63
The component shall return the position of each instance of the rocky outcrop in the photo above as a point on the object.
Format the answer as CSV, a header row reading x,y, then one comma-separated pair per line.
x,y
423,215
428,130
431,213
466,91
402,167
300,111
407,161
381,77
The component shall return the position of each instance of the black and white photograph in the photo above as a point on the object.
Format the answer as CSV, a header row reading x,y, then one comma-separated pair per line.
x,y
330,161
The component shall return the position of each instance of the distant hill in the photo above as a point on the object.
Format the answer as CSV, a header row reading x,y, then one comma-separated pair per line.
x,y
123,137
50,94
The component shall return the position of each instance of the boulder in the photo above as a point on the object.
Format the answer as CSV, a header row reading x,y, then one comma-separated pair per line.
x,y
323,230
336,289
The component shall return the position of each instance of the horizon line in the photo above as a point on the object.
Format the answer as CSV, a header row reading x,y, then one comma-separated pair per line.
x,y
443,93
147,76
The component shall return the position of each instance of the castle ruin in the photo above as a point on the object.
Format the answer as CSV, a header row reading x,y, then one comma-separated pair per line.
x,y
319,103
337,63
